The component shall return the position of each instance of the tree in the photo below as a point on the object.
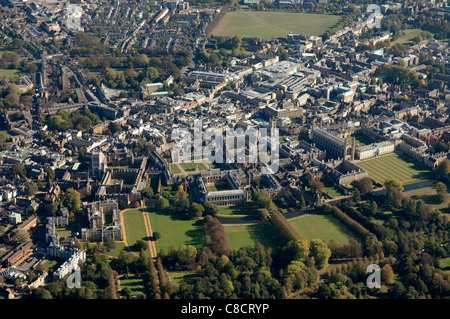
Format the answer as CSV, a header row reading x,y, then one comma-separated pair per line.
x,y
30,188
387,274
262,199
72,200
156,235
210,209
109,243
51,209
148,192
301,250
364,185
140,245
196,210
441,189
22,235
162,204
320,252
19,170
394,191
373,208
356,195
50,174
317,186
443,168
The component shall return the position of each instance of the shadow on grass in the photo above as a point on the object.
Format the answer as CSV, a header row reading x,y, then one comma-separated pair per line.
x,y
340,226
264,233
197,235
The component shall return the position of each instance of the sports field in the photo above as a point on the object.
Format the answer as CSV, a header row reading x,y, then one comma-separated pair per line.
x,y
394,166
324,227
268,25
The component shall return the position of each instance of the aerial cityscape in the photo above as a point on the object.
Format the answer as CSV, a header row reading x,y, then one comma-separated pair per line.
x,y
224,149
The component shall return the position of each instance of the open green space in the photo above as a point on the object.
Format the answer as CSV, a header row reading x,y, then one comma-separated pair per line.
x,y
324,227
217,187
360,140
268,24
134,226
235,210
5,134
174,169
51,265
394,166
134,283
407,37
182,277
428,195
10,74
333,191
248,235
189,167
176,232
445,264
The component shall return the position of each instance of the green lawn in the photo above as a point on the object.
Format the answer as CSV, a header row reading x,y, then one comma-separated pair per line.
x,y
189,167
394,166
176,232
134,226
133,282
174,169
360,140
445,265
427,194
217,187
407,37
182,277
5,134
324,227
116,251
268,25
248,235
9,73
235,210
332,191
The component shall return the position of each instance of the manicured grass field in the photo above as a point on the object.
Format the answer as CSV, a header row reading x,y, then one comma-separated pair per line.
x,y
133,282
333,192
134,226
394,166
189,167
324,227
217,187
174,169
360,140
268,25
235,210
176,232
248,235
